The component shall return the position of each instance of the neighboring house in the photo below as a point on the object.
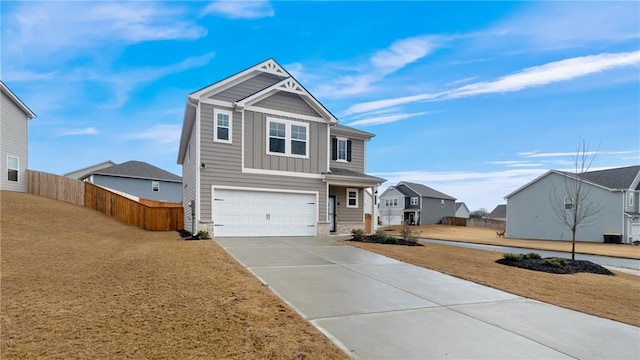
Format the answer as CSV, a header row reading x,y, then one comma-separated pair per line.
x,y
81,173
462,211
14,139
139,179
415,203
261,156
530,214
499,213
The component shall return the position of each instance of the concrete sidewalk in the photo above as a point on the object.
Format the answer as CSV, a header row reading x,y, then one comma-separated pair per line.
x,y
375,307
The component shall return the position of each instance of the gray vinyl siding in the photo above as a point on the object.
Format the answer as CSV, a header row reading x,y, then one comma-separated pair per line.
x,y
530,215
389,213
168,191
246,88
631,195
255,152
224,167
357,156
343,213
189,175
13,142
284,101
432,210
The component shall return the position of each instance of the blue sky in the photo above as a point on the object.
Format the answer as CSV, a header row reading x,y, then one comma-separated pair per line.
x,y
471,98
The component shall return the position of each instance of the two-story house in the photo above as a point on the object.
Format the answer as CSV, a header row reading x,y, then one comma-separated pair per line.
x,y
416,204
261,156
14,137
611,193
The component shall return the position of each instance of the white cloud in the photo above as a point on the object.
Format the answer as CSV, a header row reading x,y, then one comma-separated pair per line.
x,y
168,134
76,132
240,9
546,74
534,154
385,119
402,53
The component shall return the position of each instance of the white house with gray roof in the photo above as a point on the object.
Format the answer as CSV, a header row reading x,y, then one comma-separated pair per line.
x,y
261,156
530,214
81,173
139,179
14,140
415,203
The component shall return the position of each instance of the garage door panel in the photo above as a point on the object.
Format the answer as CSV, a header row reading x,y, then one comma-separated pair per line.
x,y
263,213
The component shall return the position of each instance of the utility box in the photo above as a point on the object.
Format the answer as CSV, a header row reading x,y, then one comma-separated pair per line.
x,y
612,238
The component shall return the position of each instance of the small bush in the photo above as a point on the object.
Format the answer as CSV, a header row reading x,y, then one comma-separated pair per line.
x,y
358,234
636,242
513,257
407,234
555,262
390,240
532,255
379,236
203,234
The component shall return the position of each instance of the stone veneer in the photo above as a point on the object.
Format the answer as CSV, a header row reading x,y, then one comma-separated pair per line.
x,y
344,228
324,229
206,226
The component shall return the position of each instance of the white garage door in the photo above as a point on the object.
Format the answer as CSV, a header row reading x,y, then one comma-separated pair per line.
x,y
262,213
635,231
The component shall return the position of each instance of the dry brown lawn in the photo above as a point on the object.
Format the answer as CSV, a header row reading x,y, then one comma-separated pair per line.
x,y
76,284
614,297
488,236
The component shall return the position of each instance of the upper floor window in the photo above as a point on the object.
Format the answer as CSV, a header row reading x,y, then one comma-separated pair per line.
x,y
340,149
287,138
155,186
12,168
395,202
631,195
414,201
568,203
442,203
222,126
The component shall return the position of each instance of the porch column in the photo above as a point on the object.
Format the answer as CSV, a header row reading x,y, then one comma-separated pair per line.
x,y
374,208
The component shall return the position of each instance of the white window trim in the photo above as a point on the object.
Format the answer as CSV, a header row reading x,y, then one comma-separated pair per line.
x,y
346,150
215,125
153,185
17,169
395,202
568,201
357,195
416,202
441,202
631,195
287,136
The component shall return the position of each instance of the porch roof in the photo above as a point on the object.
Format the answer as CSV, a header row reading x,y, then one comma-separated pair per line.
x,y
350,177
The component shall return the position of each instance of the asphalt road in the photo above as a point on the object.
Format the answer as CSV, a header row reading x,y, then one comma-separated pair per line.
x,y
597,259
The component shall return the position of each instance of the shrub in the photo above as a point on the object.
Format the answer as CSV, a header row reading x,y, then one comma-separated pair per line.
x,y
358,234
532,255
513,257
203,234
390,240
379,236
554,262
407,234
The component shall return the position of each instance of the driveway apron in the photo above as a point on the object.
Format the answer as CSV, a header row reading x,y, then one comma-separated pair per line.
x,y
375,307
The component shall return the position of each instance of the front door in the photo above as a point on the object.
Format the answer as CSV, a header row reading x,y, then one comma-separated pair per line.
x,y
332,213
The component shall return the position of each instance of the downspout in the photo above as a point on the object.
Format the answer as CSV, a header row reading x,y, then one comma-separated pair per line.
x,y
195,203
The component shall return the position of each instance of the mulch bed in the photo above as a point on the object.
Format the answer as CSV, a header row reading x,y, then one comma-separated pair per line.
x,y
571,267
379,240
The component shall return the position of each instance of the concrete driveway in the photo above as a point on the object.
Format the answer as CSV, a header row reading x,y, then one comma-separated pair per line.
x,y
375,307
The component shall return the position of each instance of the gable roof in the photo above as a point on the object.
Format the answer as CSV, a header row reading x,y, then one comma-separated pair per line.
x,y
611,179
90,168
499,212
339,173
137,170
22,106
426,191
270,66
461,204
351,131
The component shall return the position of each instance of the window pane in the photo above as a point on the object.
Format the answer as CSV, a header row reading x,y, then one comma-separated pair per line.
x,y
298,132
12,175
223,133
342,149
276,145
277,129
12,162
223,120
299,147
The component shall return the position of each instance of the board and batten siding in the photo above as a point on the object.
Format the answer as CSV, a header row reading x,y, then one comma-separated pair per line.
x,y
255,151
284,101
246,88
189,176
343,213
14,142
357,156
530,215
224,167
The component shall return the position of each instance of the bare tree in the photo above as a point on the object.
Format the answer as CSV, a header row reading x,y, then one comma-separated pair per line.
x,y
574,206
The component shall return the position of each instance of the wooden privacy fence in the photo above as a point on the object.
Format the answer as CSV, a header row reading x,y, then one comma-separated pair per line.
x,y
474,222
55,187
146,214
155,218
455,221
